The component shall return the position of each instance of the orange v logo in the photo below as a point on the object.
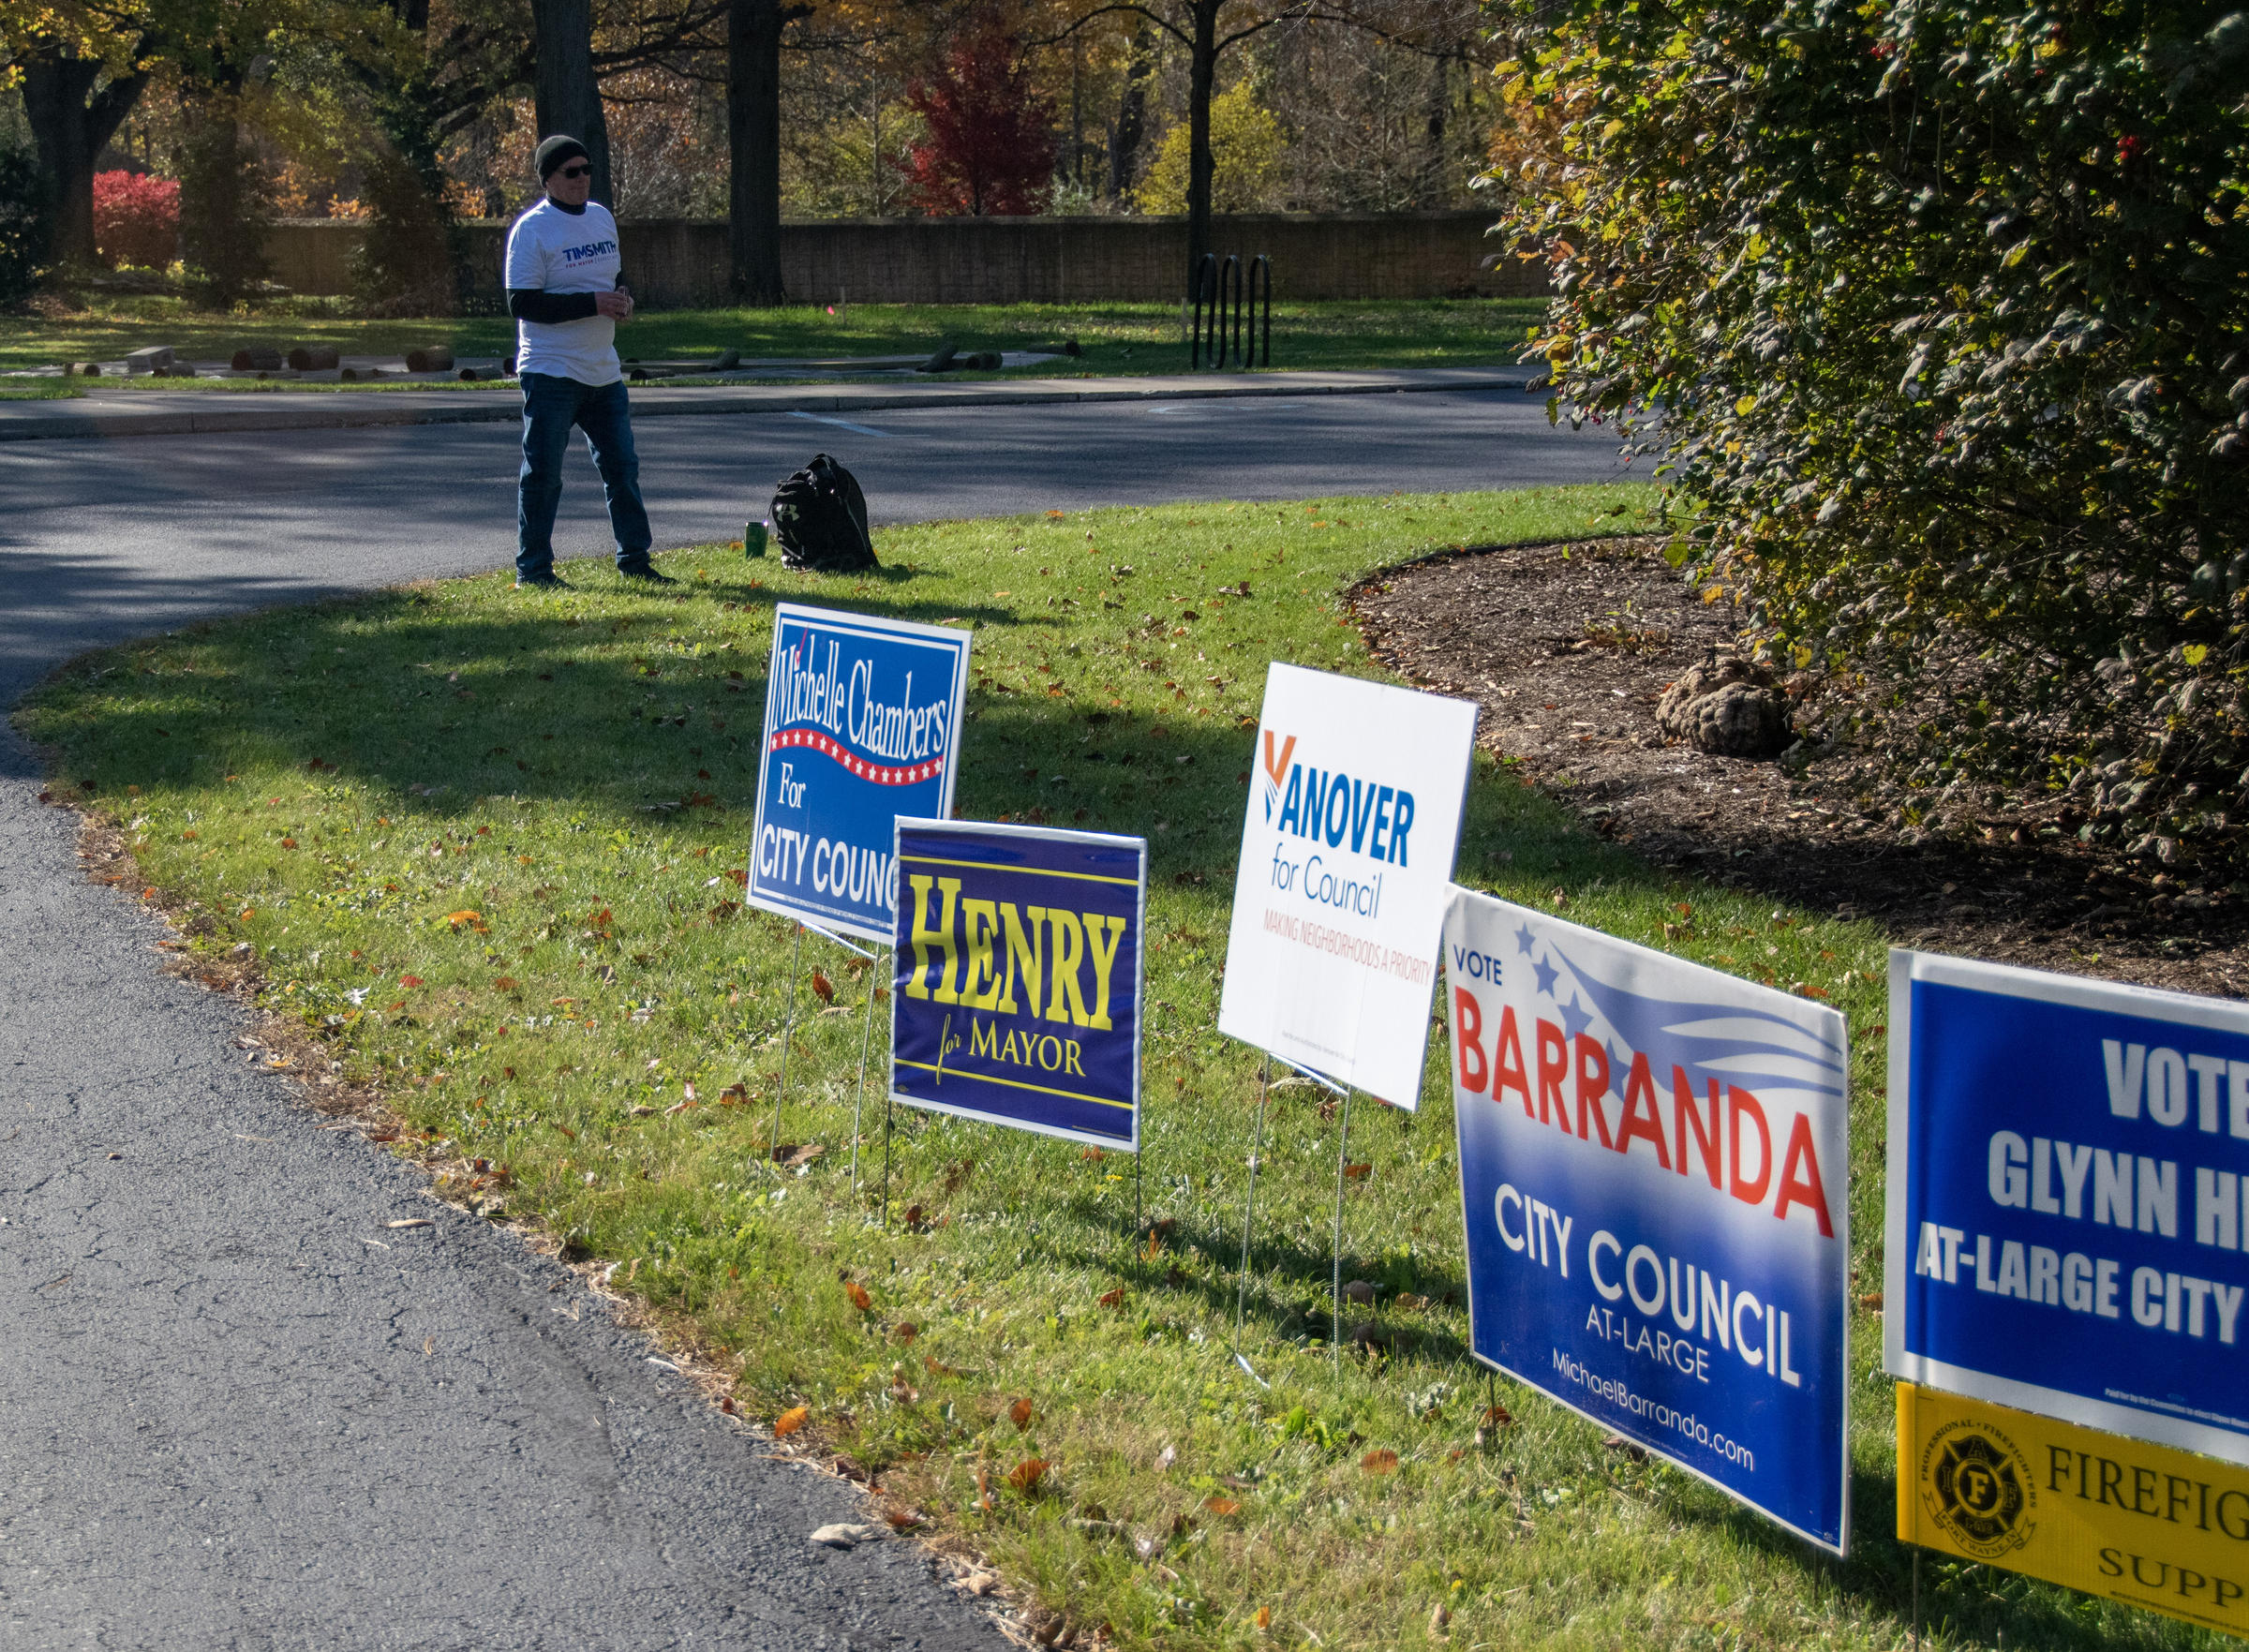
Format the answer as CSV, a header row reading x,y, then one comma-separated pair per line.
x,y
1278,769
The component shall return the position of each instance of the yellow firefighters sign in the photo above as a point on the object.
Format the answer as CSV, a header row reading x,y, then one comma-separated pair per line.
x,y
2140,1524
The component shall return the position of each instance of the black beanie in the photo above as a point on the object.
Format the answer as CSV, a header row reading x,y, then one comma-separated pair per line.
x,y
557,149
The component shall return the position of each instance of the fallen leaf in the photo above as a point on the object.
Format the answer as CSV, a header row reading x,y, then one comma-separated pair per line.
x,y
1381,1462
1617,1442
980,1583
1264,1617
1019,1414
1111,1299
805,1156
1024,1477
1359,1290
845,1535
1222,1506
505,983
907,1331
1874,1302
1440,1616
938,1369
409,980
1165,1458
823,989
412,1222
790,1421
1497,1416
1410,1302
1357,1172
857,1293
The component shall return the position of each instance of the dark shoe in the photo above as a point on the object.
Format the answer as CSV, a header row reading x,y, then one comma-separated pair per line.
x,y
646,575
541,581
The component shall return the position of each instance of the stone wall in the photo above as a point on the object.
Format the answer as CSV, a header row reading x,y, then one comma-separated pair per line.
x,y
673,262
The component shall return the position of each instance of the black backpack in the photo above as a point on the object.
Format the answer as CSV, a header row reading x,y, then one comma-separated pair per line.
x,y
820,518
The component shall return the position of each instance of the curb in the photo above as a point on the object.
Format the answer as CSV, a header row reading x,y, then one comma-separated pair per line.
x,y
219,421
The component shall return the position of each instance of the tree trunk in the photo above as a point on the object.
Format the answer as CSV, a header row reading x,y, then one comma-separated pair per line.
x,y
1132,114
753,147
568,96
1202,70
70,121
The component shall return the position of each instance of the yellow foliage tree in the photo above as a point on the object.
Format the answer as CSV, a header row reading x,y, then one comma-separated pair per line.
x,y
1245,151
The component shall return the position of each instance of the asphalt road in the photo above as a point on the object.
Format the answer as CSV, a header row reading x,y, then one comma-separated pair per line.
x,y
237,1408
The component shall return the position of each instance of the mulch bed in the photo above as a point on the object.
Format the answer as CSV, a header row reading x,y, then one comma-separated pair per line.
x,y
1569,646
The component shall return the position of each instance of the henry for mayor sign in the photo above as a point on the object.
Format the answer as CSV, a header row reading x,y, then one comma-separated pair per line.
x,y
1346,854
1652,1160
1016,996
862,726
2068,1199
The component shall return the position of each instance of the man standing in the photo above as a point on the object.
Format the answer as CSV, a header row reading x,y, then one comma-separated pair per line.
x,y
565,295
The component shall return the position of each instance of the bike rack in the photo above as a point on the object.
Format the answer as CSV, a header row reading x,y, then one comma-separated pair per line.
x,y
1225,303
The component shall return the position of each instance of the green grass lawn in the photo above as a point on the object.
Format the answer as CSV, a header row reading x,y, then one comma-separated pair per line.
x,y
488,846
37,390
1116,338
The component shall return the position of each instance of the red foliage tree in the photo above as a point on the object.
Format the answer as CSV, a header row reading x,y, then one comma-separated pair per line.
x,y
136,219
990,143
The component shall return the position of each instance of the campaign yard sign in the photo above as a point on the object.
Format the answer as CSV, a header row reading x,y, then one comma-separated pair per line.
x,y
2145,1525
1653,1173
2068,1199
1346,855
862,726
1016,990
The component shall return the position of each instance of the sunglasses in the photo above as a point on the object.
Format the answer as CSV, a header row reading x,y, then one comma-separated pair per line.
x,y
579,171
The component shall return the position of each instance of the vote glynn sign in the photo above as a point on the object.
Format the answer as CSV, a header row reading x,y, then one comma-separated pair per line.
x,y
1652,1160
2068,1199
1016,989
862,726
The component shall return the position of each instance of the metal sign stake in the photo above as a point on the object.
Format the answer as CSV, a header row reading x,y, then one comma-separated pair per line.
x,y
788,1032
1343,1151
1249,1207
890,1113
860,1098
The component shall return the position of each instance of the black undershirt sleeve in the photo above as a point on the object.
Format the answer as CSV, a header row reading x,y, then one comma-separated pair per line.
x,y
527,303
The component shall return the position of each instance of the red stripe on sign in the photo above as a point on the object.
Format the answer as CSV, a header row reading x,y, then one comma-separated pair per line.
x,y
881,774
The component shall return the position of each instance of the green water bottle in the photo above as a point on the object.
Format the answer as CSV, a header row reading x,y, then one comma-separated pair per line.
x,y
753,539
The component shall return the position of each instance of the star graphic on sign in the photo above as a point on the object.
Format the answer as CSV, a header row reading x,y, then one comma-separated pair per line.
x,y
1525,940
1574,1018
1546,970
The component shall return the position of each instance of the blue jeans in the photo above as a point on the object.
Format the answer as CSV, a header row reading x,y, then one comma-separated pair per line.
x,y
551,406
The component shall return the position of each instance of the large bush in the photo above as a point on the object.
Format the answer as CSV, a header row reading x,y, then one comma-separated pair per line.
x,y
26,219
136,219
225,209
1940,313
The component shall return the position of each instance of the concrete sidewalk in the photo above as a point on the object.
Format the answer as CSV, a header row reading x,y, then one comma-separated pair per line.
x,y
120,412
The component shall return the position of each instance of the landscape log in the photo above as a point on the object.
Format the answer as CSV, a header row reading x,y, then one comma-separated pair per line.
x,y
434,358
313,358
259,358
